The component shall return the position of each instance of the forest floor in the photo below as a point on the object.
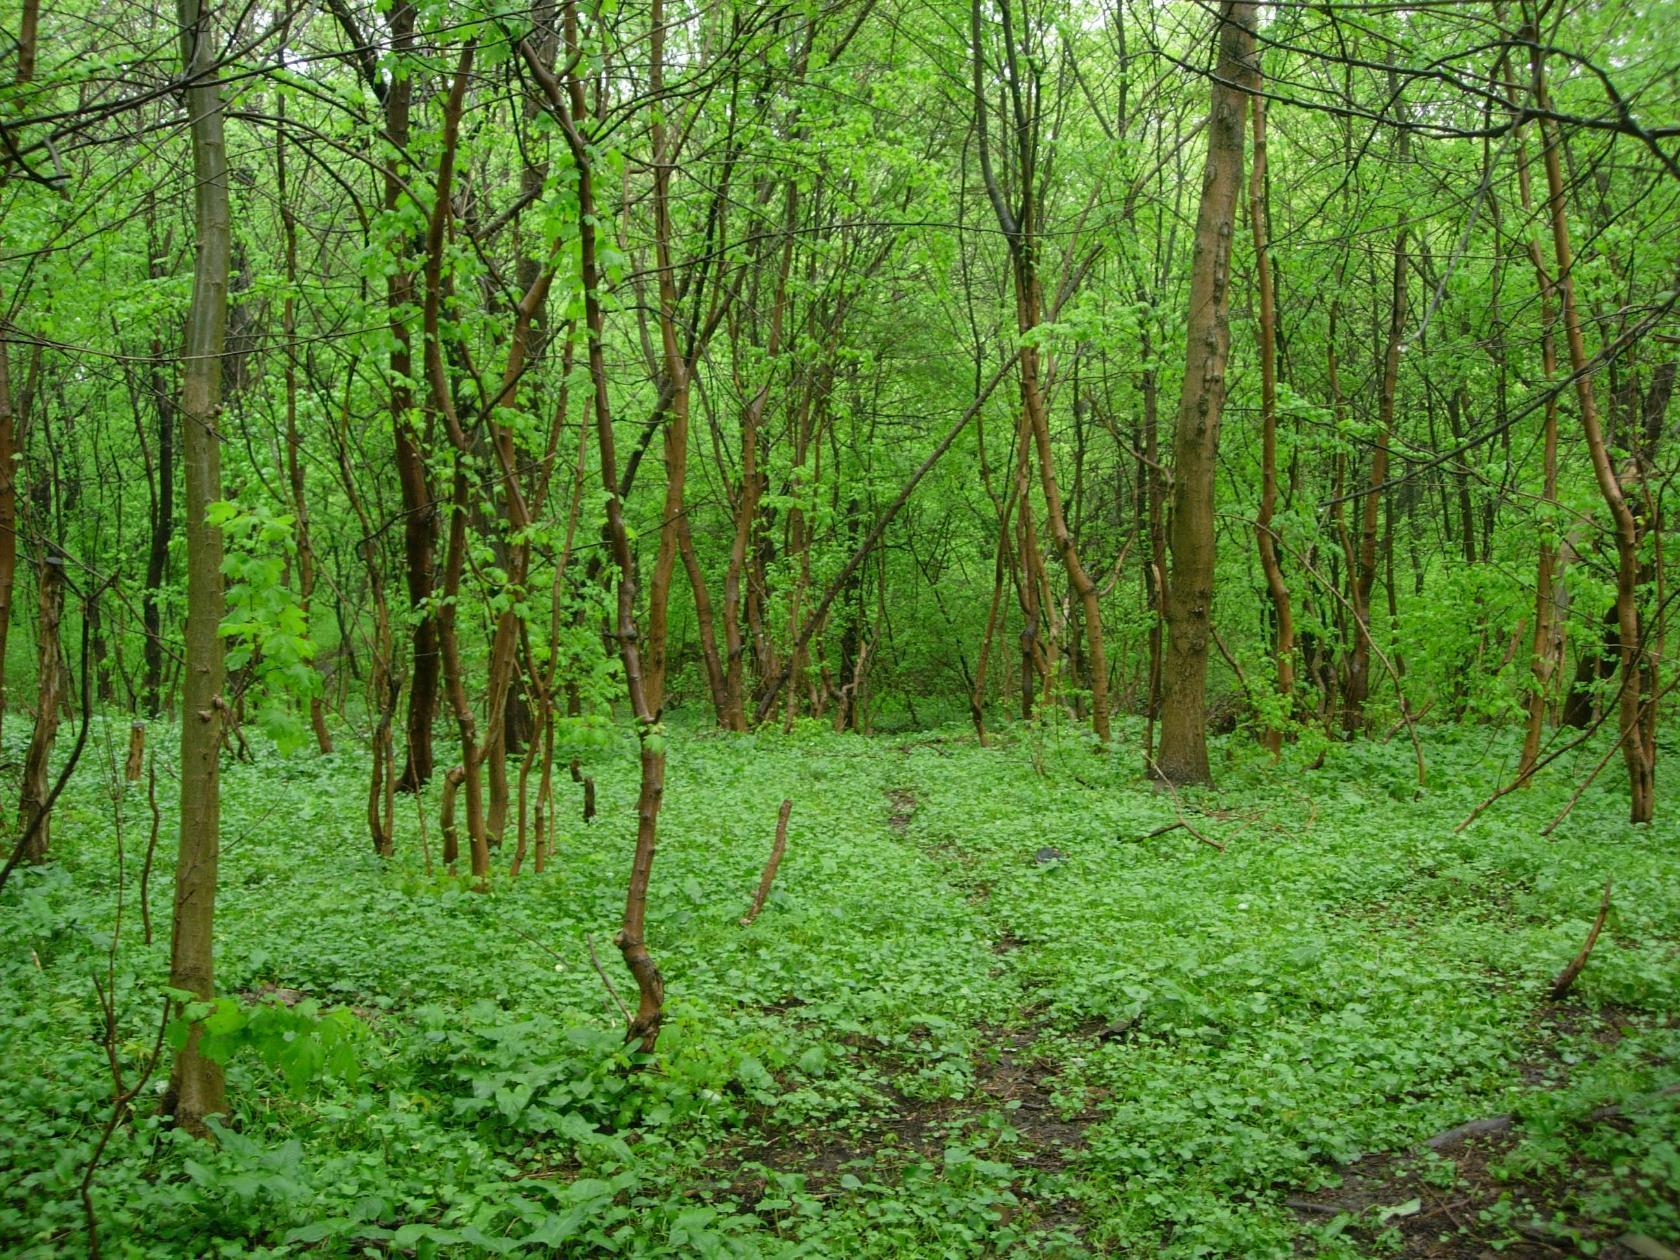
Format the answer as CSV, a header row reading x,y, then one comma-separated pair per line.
x,y
997,1004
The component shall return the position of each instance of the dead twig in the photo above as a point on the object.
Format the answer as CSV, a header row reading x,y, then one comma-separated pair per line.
x,y
606,980
1178,807
1566,978
775,860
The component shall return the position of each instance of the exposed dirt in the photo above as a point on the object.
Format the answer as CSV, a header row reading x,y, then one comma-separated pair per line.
x,y
1008,1078
1445,1222
1007,1072
1389,1191
903,802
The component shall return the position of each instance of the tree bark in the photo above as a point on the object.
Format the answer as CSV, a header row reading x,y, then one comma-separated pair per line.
x,y
1639,753
1183,755
294,440
1544,655
420,514
1362,579
49,696
569,108
196,1088
1283,649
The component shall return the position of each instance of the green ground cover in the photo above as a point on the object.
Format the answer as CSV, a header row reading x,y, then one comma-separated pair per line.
x,y
983,1012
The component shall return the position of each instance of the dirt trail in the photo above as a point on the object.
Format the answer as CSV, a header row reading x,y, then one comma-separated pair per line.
x,y
1009,1077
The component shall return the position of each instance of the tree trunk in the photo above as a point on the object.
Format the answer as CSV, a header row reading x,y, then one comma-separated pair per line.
x,y
8,511
1284,642
420,515
49,696
1639,753
1362,579
294,440
1183,756
196,1088
1543,657
568,106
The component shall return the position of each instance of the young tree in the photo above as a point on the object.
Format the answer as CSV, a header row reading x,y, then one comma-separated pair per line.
x,y
196,1087
1183,757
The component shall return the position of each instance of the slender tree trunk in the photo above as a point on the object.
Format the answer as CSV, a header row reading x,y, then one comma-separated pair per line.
x,y
671,521
1155,558
1543,657
162,530
9,428
1283,649
1183,756
49,696
1362,579
1032,396
294,440
716,682
420,512
196,1088
1638,753
8,511
569,108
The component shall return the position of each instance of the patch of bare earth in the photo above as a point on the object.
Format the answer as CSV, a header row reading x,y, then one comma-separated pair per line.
x,y
1022,1085
1396,1191
903,802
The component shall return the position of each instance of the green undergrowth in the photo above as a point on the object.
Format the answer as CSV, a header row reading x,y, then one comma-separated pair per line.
x,y
418,1068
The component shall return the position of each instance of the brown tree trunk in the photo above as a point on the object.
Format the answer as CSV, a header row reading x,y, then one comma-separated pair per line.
x,y
1362,580
294,440
1183,756
49,696
384,685
716,682
1021,229
162,530
420,514
1283,649
1638,752
460,500
569,108
1033,400
196,1087
8,511
671,522
9,420
1544,658
743,576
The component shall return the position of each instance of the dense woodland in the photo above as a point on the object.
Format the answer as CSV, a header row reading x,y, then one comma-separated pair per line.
x,y
1184,479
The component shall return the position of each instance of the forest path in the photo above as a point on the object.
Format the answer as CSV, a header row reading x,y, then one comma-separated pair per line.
x,y
1013,1081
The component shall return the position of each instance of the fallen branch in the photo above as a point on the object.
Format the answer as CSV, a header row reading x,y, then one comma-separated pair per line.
x,y
1490,1126
1162,830
1475,1128
1566,978
775,860
601,971
1178,808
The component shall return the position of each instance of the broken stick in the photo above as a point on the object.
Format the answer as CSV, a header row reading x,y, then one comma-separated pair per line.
x,y
769,875
1566,977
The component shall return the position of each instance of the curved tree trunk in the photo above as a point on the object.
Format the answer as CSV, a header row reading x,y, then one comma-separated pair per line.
x,y
1639,752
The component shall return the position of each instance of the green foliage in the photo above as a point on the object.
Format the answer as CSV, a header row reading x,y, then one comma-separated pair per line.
x,y
299,1041
265,626
418,1067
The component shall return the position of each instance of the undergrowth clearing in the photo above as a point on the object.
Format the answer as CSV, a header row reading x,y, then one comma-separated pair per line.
x,y
984,1011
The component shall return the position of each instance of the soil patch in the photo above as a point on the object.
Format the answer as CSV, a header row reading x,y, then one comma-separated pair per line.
x,y
903,802
1442,1216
